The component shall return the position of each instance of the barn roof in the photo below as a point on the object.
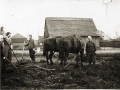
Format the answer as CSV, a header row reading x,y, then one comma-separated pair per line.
x,y
61,26
18,36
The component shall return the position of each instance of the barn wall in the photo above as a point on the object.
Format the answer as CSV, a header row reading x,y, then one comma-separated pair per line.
x,y
46,33
18,46
18,40
18,43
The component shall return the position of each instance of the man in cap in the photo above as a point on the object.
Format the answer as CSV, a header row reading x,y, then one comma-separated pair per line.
x,y
90,50
31,46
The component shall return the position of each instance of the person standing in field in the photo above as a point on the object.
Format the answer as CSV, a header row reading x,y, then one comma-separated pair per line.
x,y
2,55
7,46
90,50
31,46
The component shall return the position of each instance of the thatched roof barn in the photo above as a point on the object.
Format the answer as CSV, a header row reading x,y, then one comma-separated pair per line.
x,y
18,41
18,38
60,26
66,26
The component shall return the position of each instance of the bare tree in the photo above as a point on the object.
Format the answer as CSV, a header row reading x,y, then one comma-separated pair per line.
x,y
117,32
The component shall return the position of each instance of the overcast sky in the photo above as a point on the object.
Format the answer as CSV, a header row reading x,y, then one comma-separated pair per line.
x,y
28,16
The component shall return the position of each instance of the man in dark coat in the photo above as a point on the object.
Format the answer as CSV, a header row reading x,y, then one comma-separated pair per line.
x,y
31,47
90,50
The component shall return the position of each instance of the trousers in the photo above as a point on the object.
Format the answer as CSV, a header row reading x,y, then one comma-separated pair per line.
x,y
7,52
32,54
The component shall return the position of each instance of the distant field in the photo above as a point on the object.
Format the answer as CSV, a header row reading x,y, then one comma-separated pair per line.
x,y
98,51
114,53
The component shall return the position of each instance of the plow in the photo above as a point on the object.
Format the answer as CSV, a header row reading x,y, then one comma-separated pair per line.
x,y
24,61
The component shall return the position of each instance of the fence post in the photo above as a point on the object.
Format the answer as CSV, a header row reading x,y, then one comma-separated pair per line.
x,y
114,43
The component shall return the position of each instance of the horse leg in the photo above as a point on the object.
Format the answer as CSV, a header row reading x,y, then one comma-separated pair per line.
x,y
61,61
76,63
50,56
61,56
82,53
77,58
47,57
66,57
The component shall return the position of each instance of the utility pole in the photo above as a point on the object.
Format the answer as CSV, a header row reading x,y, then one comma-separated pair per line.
x,y
106,2
38,48
38,40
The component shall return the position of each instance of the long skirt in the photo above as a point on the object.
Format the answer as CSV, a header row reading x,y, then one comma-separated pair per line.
x,y
91,58
7,52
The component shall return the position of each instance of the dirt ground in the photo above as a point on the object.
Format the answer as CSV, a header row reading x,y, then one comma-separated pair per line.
x,y
103,75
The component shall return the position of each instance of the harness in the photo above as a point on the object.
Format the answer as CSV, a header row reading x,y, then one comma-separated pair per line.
x,y
79,40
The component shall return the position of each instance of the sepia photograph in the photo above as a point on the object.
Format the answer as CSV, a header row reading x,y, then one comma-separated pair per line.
x,y
59,44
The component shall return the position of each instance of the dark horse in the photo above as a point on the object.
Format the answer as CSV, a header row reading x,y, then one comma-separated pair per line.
x,y
49,48
70,44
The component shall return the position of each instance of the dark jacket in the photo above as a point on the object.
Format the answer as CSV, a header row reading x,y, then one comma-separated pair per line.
x,y
90,47
7,41
30,44
1,51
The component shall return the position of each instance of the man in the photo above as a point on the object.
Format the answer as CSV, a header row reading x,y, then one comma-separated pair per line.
x,y
31,46
90,50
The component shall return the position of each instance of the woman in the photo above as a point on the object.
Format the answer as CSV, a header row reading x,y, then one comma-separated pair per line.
x,y
90,50
7,46
2,55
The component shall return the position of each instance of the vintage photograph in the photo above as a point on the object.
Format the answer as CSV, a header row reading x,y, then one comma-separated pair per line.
x,y
59,44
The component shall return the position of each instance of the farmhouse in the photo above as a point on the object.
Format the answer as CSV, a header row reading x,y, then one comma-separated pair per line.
x,y
18,41
58,26
103,35
41,42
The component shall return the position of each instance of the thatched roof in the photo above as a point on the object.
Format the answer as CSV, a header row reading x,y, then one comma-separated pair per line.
x,y
18,36
57,26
